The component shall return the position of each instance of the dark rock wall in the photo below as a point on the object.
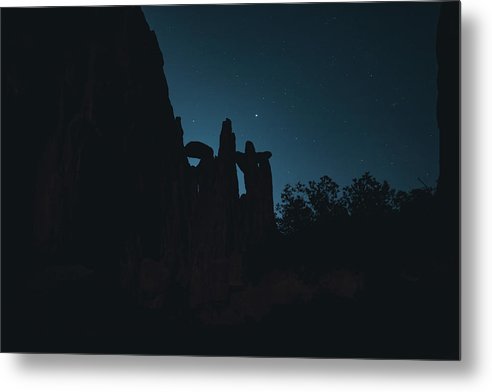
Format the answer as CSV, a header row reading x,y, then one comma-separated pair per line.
x,y
94,171
448,186
448,100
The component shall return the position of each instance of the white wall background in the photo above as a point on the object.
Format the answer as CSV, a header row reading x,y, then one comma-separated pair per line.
x,y
474,373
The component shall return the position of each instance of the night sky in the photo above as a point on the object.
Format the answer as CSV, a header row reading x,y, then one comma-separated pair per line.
x,y
329,89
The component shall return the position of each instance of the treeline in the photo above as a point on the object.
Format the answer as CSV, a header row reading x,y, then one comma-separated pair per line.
x,y
318,201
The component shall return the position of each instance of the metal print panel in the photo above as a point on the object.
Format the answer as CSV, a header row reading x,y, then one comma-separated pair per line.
x,y
241,180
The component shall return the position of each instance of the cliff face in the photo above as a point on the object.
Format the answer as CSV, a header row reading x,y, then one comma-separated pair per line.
x,y
94,170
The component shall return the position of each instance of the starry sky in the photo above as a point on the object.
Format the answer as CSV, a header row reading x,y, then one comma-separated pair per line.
x,y
329,89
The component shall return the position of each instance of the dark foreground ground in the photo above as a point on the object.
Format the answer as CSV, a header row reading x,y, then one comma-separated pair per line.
x,y
403,316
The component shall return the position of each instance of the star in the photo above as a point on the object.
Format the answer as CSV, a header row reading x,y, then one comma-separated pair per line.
x,y
256,115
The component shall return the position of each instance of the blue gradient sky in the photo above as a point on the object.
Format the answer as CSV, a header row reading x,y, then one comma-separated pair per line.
x,y
330,89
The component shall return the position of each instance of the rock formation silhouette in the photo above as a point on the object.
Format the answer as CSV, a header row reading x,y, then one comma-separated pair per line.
x,y
106,171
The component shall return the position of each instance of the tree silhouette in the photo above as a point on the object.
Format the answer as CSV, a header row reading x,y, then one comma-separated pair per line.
x,y
319,201
415,201
294,212
366,196
324,199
